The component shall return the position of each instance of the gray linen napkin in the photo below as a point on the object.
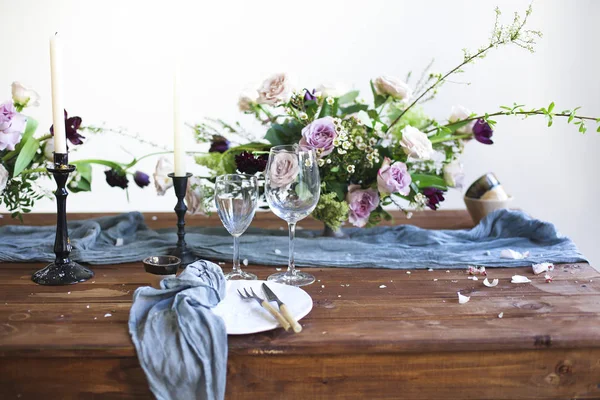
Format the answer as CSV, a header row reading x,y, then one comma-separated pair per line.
x,y
181,344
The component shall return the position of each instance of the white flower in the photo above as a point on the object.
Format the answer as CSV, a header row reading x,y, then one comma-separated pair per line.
x,y
161,180
275,90
391,86
49,150
454,174
194,196
330,100
416,144
332,89
246,101
3,178
303,116
24,96
459,113
351,168
321,162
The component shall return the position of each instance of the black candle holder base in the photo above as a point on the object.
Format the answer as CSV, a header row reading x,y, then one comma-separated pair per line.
x,y
185,255
62,274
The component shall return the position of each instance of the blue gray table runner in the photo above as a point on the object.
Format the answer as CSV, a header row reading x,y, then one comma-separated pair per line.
x,y
395,247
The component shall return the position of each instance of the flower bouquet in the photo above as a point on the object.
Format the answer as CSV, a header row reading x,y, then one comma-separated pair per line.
x,y
371,155
23,155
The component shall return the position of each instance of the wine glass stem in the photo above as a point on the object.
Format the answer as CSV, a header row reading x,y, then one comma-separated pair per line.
x,y
291,267
236,254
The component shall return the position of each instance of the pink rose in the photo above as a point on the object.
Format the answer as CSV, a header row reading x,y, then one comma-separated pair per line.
x,y
284,169
361,203
393,178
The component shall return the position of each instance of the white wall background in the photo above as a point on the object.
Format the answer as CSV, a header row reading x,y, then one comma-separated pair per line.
x,y
118,60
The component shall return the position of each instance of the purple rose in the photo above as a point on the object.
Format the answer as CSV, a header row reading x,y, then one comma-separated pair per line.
x,y
12,126
483,132
361,203
393,178
434,197
141,179
319,136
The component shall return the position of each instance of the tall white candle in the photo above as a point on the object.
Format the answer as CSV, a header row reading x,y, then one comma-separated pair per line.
x,y
179,145
58,117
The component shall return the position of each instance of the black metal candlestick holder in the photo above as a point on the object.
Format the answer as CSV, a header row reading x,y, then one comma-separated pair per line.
x,y
181,251
63,271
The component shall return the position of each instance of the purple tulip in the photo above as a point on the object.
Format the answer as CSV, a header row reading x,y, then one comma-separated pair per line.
x,y
71,125
219,144
248,163
141,179
434,197
483,132
309,96
116,178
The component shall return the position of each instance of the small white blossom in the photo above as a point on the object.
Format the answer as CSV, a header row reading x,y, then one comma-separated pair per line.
x,y
303,116
321,162
328,161
341,151
347,145
370,157
336,142
372,141
361,146
351,168
330,100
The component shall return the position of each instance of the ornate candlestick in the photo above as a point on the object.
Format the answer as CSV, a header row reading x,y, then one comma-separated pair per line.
x,y
62,271
181,251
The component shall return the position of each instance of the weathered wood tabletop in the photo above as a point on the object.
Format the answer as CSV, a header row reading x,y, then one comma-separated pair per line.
x,y
408,340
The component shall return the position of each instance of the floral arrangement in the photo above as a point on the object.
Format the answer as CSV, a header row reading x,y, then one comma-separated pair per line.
x,y
23,155
375,154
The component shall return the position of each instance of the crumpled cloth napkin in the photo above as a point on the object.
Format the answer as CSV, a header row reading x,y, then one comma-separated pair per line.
x,y
180,343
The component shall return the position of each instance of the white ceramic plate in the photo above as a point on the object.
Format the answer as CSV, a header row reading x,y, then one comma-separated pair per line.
x,y
247,316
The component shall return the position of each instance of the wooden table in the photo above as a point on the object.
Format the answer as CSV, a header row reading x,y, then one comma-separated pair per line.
x,y
410,339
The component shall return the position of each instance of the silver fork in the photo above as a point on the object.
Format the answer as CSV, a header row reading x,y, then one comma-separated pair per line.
x,y
264,304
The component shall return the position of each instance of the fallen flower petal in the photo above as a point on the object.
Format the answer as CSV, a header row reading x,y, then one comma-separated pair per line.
x,y
462,299
476,270
382,287
515,255
501,315
549,278
519,279
493,283
542,267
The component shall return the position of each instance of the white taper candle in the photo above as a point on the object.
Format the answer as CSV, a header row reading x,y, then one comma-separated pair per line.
x,y
58,117
179,145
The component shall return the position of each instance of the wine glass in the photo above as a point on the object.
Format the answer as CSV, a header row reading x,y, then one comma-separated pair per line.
x,y
292,189
236,196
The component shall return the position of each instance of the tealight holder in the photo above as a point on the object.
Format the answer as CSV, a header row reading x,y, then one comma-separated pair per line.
x,y
63,271
181,251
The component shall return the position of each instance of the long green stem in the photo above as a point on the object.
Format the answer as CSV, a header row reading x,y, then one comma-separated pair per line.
x,y
507,113
430,88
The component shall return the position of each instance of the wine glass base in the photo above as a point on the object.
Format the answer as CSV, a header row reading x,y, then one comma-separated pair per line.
x,y
298,279
239,276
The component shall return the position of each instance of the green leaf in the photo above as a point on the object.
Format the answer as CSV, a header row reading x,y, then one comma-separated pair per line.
x,y
303,191
364,118
84,183
549,123
30,128
348,97
598,130
287,133
429,181
339,188
354,108
26,155
335,169
378,99
551,107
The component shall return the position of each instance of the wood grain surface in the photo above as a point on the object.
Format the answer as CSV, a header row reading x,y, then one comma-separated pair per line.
x,y
408,340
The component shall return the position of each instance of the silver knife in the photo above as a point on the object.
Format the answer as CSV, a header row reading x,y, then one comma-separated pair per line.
x,y
282,307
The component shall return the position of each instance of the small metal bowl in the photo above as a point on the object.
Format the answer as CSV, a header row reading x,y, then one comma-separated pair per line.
x,y
162,265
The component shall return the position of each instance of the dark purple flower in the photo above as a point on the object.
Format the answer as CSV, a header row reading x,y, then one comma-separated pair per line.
x,y
71,125
434,197
141,179
309,96
219,144
248,163
116,178
483,132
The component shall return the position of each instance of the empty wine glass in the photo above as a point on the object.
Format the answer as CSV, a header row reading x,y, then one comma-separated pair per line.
x,y
236,196
292,188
